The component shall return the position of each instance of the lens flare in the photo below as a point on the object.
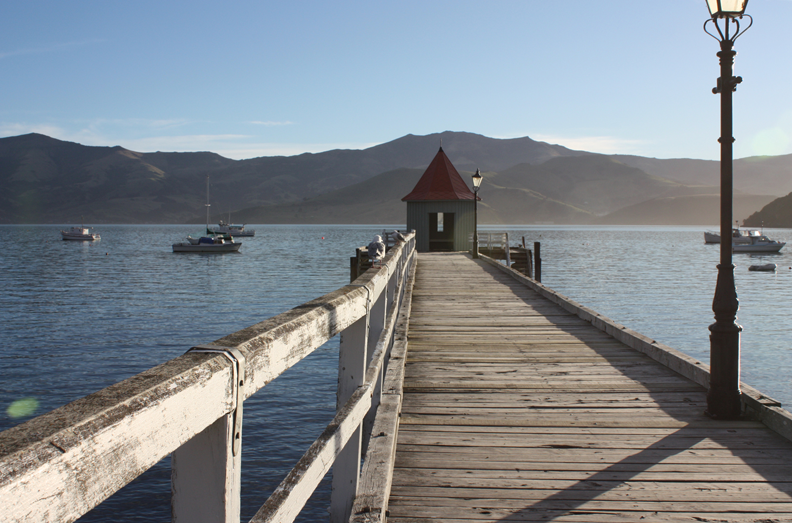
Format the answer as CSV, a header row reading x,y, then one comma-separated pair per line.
x,y
22,408
770,142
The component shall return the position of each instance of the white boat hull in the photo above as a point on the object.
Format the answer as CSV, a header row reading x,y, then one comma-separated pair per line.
x,y
206,247
79,234
759,247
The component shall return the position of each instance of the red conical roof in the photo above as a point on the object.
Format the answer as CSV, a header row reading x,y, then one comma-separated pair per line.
x,y
441,181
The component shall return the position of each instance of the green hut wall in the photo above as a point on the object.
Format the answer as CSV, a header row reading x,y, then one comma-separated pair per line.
x,y
418,219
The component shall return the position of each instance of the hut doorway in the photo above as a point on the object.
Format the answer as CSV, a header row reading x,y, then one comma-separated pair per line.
x,y
441,231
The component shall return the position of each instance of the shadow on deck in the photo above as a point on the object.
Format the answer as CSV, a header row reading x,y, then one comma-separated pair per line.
x,y
517,410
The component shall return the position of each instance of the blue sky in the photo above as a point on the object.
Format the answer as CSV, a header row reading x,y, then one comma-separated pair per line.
x,y
260,78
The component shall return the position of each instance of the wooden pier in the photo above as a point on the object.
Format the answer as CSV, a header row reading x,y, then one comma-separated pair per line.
x,y
516,409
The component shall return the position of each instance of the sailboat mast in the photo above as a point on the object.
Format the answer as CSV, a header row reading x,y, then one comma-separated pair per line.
x,y
207,203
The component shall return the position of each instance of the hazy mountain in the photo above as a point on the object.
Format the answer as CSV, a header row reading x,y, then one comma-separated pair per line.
x,y
51,181
689,209
598,184
754,175
48,180
569,190
777,213
378,200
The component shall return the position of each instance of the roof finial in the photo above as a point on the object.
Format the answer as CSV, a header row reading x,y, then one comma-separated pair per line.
x,y
441,143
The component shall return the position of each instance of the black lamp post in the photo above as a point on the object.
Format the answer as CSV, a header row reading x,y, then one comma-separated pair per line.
x,y
476,184
723,397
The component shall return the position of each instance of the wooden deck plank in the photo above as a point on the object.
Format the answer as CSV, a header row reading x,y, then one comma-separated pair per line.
x,y
516,410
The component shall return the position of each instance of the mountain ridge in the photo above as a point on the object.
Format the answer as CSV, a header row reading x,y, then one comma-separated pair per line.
x,y
53,181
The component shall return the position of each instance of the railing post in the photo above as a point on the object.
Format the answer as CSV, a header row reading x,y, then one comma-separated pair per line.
x,y
376,325
206,477
352,362
206,471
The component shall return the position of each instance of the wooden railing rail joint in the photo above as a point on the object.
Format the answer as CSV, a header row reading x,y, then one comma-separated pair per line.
x,y
238,361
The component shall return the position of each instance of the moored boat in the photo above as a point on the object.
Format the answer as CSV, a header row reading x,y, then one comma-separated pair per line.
x,y
80,233
739,236
767,267
759,243
213,243
207,244
230,229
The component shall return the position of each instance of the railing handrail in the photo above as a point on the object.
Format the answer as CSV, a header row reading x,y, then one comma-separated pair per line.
x,y
313,465
60,465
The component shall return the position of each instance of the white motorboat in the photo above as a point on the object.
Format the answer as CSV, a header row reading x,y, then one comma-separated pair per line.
x,y
739,236
80,233
230,229
759,243
207,244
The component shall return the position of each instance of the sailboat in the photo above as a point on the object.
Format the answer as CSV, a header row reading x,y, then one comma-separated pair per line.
x,y
229,228
213,243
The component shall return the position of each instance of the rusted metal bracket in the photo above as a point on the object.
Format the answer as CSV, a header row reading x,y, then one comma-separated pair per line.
x,y
368,296
238,360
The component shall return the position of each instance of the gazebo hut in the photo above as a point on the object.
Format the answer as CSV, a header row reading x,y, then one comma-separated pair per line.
x,y
440,208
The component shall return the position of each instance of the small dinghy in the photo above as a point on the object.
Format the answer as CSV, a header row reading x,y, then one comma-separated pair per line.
x,y
765,267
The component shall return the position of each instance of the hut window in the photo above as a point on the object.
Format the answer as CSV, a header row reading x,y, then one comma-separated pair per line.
x,y
439,222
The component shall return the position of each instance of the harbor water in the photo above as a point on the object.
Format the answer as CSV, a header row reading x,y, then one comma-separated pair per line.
x,y
80,316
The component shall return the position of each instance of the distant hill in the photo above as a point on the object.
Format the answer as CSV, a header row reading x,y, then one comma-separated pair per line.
x,y
598,184
690,209
565,190
46,180
51,181
378,200
771,175
777,213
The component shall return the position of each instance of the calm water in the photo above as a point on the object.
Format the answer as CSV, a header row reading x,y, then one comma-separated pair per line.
x,y
82,316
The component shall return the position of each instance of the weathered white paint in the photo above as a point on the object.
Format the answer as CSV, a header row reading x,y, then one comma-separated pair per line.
x,y
58,466
352,362
371,502
294,491
206,472
206,476
291,495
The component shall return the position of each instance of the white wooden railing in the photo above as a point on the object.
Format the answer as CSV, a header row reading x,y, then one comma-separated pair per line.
x,y
60,465
493,240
